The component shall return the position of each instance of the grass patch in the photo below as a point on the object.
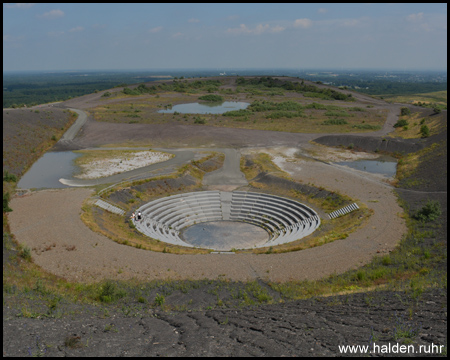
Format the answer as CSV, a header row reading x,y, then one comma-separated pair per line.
x,y
252,165
408,164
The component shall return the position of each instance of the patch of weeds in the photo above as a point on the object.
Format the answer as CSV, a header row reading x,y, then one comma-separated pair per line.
x,y
110,327
25,253
73,341
404,329
159,300
109,292
24,312
386,260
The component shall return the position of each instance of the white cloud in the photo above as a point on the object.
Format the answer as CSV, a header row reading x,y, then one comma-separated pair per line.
x,y
76,29
415,17
177,35
258,30
155,30
304,23
53,14
194,20
18,5
322,10
277,29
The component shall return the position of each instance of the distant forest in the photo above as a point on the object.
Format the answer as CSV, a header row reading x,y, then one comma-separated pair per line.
x,y
39,88
30,89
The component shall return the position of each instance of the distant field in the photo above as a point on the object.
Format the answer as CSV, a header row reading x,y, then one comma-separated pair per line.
x,y
437,97
275,105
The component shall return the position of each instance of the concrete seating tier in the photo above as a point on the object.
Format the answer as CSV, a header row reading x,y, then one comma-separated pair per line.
x,y
284,219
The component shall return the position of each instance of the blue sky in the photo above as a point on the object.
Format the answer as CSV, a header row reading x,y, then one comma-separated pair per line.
x,y
224,36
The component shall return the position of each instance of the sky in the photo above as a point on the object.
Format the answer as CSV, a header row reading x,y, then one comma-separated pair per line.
x,y
53,37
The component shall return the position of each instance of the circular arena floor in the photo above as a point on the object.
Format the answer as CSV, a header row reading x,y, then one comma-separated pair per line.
x,y
222,220
225,235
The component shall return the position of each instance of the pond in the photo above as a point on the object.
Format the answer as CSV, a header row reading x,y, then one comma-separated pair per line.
x,y
206,108
384,165
46,172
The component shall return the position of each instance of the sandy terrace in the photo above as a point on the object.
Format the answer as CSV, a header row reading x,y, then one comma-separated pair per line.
x,y
126,161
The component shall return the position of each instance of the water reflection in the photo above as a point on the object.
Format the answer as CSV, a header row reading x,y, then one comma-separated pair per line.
x,y
384,165
46,172
206,108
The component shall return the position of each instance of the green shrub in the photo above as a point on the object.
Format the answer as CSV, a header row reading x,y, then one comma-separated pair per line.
x,y
159,300
367,127
424,131
6,207
335,122
25,253
430,212
9,177
401,123
108,292
386,260
237,113
405,111
212,98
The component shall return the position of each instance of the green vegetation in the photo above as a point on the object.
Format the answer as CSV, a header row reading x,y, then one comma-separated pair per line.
x,y
432,100
237,113
40,88
284,114
9,177
430,212
424,131
269,82
366,127
335,122
6,207
401,123
211,98
405,111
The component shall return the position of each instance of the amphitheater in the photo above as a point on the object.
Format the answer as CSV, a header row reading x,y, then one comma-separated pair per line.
x,y
78,253
283,219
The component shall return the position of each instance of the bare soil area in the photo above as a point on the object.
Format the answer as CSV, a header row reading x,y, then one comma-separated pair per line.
x,y
117,162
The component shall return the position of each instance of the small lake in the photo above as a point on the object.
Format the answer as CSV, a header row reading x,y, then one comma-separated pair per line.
x,y
383,165
46,172
206,108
